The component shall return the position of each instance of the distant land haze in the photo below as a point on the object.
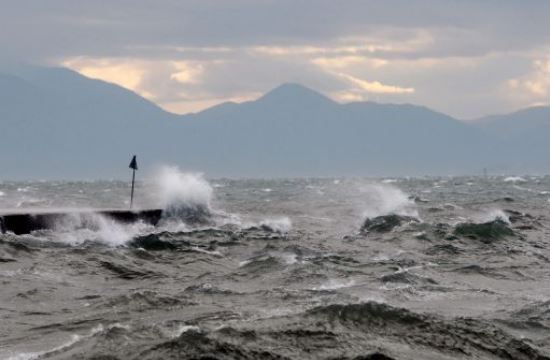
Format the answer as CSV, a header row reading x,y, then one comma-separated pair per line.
x,y
58,124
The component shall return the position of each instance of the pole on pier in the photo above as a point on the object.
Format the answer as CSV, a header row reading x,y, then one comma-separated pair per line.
x,y
134,167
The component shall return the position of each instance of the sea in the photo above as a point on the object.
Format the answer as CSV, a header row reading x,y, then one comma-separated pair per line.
x,y
311,268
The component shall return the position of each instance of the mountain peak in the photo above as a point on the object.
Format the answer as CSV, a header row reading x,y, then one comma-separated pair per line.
x,y
294,93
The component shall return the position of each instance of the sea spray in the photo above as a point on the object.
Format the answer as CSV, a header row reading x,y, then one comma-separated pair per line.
x,y
76,228
385,199
184,196
281,225
514,179
492,215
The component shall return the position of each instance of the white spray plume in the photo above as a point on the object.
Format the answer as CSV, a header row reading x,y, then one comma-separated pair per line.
x,y
493,215
176,186
281,225
514,179
384,199
186,196
74,229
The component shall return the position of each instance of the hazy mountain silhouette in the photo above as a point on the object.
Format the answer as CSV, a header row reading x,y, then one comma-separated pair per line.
x,y
293,130
517,124
58,124
526,133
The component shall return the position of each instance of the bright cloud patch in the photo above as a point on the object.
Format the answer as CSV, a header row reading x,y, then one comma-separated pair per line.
x,y
387,65
376,86
187,72
347,61
348,96
126,73
534,87
163,81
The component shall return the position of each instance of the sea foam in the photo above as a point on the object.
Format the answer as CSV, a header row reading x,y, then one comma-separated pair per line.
x,y
385,199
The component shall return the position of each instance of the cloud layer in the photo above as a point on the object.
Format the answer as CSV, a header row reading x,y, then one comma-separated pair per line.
x,y
467,58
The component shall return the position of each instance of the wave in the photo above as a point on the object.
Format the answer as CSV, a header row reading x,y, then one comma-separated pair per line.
x,y
369,330
486,232
475,269
538,312
267,263
184,197
384,199
493,215
128,272
153,242
78,228
385,223
514,179
387,208
371,313
196,344
449,249
405,277
186,200
459,336
207,288
145,299
281,225
335,284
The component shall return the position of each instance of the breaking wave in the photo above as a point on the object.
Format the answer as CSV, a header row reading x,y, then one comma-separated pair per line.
x,y
184,197
384,199
514,179
78,228
493,215
281,225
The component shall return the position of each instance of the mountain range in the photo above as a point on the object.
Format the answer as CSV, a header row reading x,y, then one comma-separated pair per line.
x,y
58,124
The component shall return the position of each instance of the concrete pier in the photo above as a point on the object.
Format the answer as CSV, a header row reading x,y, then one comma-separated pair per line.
x,y
25,223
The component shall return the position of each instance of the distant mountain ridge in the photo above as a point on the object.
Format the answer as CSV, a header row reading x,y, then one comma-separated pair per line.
x,y
59,124
518,123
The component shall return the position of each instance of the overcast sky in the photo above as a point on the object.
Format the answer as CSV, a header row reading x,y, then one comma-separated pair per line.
x,y
465,58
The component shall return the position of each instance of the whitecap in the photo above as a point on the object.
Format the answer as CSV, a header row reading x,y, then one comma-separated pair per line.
x,y
289,258
334,284
73,340
281,225
183,329
386,199
183,190
492,215
76,228
514,179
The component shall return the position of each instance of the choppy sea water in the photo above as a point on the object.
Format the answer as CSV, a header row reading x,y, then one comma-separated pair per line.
x,y
446,268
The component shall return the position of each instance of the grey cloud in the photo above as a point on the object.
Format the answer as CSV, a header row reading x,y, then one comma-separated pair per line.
x,y
40,30
500,37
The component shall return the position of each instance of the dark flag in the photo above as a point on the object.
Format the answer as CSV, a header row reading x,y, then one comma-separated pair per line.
x,y
133,163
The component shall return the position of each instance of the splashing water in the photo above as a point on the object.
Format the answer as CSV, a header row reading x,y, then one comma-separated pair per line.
x,y
493,215
281,225
75,229
184,196
384,199
185,199
514,179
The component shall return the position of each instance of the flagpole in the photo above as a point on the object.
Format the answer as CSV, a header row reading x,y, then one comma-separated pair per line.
x,y
132,194
134,167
